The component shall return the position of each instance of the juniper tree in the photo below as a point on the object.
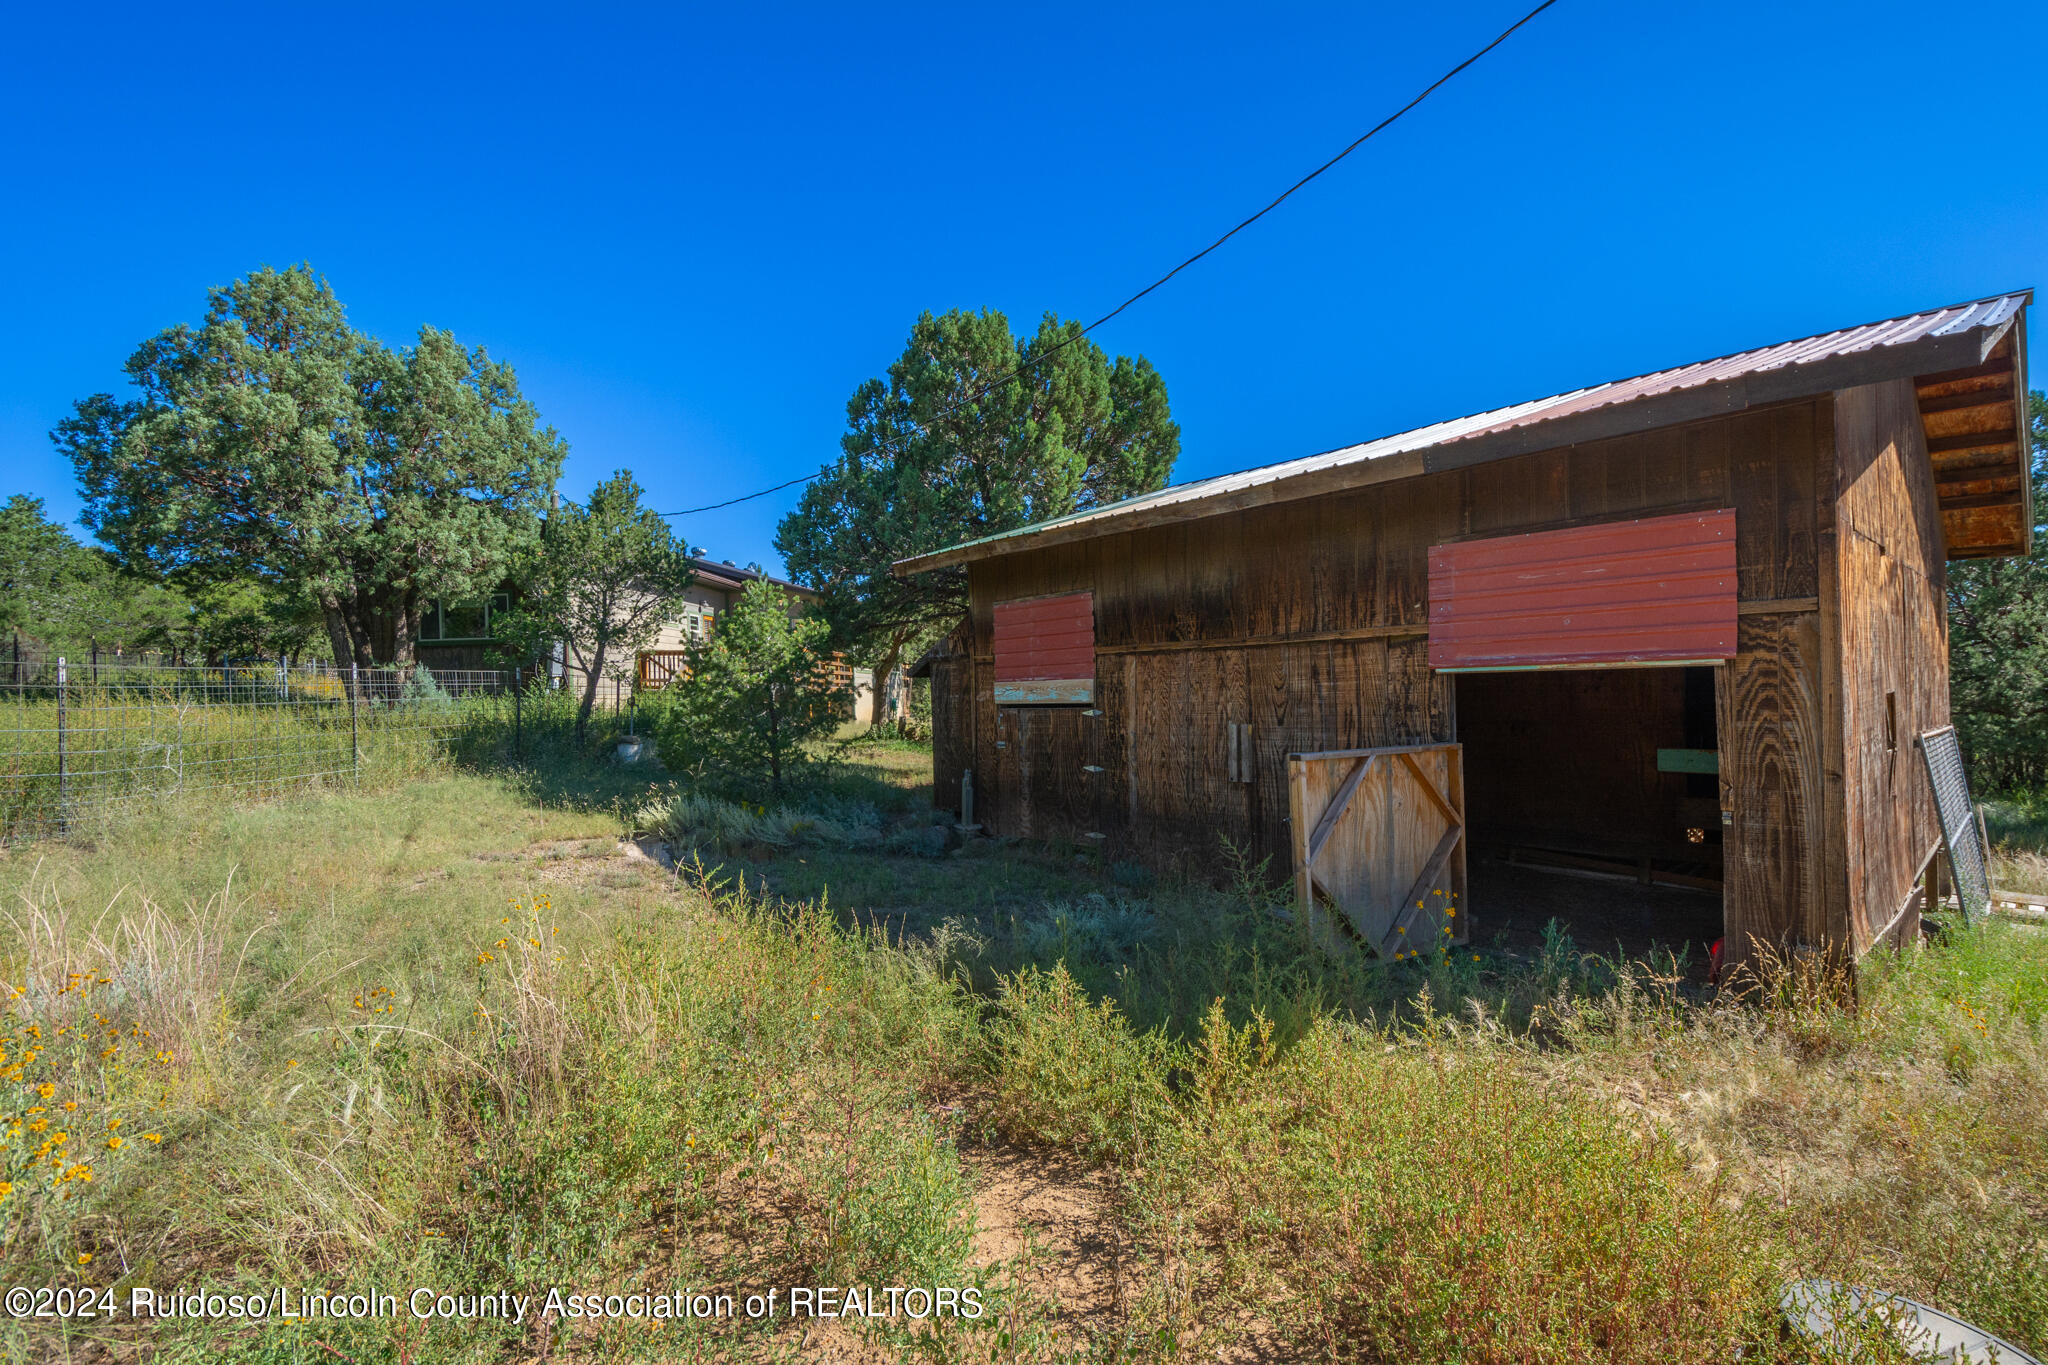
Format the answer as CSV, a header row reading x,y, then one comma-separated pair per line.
x,y
929,460
758,694
605,577
276,442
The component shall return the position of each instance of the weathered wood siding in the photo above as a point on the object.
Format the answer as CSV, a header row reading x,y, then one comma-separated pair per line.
x,y
1891,624
1307,620
953,715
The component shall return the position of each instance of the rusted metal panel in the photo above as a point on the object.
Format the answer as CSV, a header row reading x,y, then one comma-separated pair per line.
x,y
1045,650
1658,590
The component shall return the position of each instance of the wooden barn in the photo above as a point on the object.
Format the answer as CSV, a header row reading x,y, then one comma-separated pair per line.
x,y
1673,638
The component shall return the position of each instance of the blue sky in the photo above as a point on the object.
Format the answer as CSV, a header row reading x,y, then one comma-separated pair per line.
x,y
694,231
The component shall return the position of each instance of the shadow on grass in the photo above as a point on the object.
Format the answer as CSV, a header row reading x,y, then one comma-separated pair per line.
x,y
1164,949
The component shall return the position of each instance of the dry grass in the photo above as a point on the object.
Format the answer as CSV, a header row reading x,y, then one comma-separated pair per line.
x,y
441,1035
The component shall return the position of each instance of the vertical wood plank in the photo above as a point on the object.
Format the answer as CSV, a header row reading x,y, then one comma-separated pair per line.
x,y
1773,744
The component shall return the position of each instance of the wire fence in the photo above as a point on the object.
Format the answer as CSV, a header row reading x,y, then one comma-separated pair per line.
x,y
77,744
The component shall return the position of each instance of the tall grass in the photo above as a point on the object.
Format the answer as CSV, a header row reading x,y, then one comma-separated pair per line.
x,y
439,1035
526,1090
119,747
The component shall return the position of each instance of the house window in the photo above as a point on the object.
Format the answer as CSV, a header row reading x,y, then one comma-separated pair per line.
x,y
1045,651
464,621
446,621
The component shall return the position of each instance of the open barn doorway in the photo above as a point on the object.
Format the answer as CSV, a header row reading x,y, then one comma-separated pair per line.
x,y
1592,800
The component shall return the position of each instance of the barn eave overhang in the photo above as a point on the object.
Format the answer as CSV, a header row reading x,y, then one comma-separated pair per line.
x,y
1983,342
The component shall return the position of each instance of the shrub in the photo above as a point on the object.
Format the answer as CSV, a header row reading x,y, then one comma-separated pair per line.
x,y
1431,1206
757,696
695,820
1071,1072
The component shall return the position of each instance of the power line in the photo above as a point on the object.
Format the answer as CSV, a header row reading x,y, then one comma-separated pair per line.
x,y
1278,200
744,497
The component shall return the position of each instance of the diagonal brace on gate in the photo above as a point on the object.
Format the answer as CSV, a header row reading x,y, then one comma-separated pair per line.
x,y
1385,852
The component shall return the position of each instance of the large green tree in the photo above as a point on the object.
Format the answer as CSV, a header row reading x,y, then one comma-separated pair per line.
x,y
929,459
276,442
47,579
68,597
606,576
1998,645
246,618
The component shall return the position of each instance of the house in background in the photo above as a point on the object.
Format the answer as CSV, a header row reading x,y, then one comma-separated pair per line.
x,y
455,637
716,585
461,636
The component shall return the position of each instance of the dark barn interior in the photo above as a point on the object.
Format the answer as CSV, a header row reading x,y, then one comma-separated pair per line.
x,y
1590,798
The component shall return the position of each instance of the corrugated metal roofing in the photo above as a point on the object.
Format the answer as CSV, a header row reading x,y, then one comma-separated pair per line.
x,y
1987,316
1651,590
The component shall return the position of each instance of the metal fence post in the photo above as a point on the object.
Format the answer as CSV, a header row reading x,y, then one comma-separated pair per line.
x,y
63,751
355,744
518,736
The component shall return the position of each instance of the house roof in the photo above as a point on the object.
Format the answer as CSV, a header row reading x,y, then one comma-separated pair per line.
x,y
1953,353
723,573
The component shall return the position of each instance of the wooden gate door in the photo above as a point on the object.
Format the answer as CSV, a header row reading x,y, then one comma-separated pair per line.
x,y
1380,835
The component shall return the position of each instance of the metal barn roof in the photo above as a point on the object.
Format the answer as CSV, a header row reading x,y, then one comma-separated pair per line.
x,y
1944,339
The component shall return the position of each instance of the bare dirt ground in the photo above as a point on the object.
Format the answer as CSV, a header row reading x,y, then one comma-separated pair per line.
x,y
1047,1230
1053,1222
1510,905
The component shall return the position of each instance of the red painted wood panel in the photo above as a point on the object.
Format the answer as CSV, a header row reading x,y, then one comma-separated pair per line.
x,y
1656,590
1045,638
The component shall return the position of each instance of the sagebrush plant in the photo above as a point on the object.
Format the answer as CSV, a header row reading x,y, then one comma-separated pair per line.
x,y
1070,1071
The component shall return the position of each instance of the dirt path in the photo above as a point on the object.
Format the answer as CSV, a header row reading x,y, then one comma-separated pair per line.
x,y
1052,1222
